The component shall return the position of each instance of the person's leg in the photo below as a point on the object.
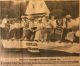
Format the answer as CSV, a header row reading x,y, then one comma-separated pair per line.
x,y
26,34
76,39
4,33
29,34
1,32
21,33
17,34
11,33
51,35
7,33
48,34
33,36
65,31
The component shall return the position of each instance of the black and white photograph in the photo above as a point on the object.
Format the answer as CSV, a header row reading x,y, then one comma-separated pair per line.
x,y
39,28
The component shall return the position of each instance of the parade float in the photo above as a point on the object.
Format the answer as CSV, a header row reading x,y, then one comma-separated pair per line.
x,y
39,9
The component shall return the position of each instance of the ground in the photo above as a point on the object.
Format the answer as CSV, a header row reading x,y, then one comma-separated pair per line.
x,y
23,53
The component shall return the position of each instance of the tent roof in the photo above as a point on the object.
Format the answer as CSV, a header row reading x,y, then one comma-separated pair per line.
x,y
36,7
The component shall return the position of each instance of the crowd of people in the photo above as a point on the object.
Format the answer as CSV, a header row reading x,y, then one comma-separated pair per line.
x,y
41,29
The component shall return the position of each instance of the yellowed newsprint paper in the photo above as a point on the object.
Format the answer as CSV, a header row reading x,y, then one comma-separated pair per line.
x,y
39,33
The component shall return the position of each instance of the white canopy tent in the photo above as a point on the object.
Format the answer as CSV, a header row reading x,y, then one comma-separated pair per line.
x,y
37,7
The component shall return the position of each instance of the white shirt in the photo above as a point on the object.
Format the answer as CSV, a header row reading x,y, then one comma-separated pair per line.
x,y
2,25
47,24
12,26
17,25
78,21
23,23
71,23
40,25
4,21
31,25
53,23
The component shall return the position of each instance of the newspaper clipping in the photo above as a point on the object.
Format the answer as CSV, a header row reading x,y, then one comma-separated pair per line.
x,y
39,33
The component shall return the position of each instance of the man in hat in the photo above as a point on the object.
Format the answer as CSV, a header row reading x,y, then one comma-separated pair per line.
x,y
69,25
24,26
77,30
53,26
31,30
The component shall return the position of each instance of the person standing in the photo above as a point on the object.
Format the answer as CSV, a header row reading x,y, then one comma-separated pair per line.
x,y
4,29
70,33
39,30
77,31
12,30
64,27
23,23
31,30
19,29
53,25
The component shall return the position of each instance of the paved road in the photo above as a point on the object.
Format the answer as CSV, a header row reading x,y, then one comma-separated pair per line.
x,y
6,53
